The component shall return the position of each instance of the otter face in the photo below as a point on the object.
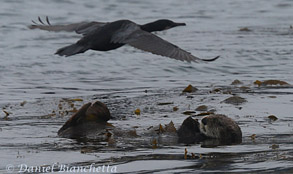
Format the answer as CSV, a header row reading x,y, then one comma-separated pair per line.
x,y
221,127
209,127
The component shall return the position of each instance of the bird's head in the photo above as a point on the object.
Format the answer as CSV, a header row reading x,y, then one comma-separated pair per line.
x,y
160,25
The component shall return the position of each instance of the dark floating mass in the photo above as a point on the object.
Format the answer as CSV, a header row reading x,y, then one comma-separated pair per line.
x,y
105,36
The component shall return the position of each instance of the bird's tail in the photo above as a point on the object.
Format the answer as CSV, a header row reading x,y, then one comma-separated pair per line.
x,y
210,60
71,50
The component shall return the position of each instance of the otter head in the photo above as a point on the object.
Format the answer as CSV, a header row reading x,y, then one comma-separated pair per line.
x,y
221,127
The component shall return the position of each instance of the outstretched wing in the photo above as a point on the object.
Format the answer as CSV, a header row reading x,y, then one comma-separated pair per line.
x,y
151,43
80,27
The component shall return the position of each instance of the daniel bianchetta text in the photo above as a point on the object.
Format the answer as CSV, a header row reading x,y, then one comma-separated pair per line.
x,y
61,168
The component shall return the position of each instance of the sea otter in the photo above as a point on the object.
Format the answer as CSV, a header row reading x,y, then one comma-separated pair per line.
x,y
91,122
221,127
212,131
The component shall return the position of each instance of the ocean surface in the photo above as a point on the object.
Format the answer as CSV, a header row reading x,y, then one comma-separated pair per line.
x,y
253,38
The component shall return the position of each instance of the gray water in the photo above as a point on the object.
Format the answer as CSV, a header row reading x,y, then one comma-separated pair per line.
x,y
29,71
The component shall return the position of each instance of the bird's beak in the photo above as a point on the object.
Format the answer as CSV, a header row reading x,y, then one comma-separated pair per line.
x,y
174,25
179,24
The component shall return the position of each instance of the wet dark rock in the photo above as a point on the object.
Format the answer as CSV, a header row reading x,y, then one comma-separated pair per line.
x,y
189,132
235,100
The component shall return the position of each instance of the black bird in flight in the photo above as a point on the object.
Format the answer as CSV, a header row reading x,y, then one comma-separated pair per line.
x,y
105,36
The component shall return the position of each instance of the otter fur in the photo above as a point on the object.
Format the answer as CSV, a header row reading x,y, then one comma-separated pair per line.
x,y
221,127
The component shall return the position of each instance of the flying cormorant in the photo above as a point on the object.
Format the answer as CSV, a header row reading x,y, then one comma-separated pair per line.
x,y
102,36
